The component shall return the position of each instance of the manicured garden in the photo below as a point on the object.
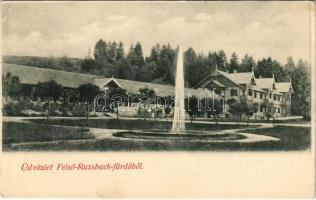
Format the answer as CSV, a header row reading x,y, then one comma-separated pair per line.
x,y
290,138
19,132
130,124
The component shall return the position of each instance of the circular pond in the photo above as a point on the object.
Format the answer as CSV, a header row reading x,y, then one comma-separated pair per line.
x,y
189,135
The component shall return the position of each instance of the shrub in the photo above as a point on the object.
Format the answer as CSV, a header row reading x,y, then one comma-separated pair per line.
x,y
12,109
78,110
307,117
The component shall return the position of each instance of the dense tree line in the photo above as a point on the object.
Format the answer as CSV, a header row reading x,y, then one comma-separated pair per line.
x,y
109,59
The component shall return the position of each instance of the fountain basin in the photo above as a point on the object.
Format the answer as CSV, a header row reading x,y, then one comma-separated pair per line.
x,y
188,135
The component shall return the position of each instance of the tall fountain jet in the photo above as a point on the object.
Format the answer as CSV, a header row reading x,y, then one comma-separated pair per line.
x,y
178,125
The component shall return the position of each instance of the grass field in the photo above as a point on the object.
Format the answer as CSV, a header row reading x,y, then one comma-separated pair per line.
x,y
291,138
298,139
18,132
134,124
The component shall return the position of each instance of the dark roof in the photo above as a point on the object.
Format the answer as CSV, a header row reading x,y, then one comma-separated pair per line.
x,y
219,78
161,90
239,78
34,75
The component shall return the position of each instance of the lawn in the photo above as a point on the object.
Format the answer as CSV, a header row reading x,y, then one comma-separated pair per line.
x,y
291,138
245,120
18,132
134,124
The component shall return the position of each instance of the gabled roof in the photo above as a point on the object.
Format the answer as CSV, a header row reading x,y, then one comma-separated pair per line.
x,y
161,90
265,83
34,75
256,88
218,83
239,78
283,86
220,77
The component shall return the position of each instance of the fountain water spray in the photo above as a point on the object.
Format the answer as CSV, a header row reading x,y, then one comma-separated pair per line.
x,y
178,125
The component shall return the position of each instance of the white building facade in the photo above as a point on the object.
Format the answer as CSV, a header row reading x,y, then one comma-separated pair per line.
x,y
272,98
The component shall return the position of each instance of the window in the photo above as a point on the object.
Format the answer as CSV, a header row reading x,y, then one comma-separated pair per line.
x,y
255,94
279,110
270,95
250,92
217,90
261,95
261,108
274,97
252,80
279,98
233,92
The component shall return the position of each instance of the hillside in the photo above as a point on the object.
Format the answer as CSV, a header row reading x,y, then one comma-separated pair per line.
x,y
58,63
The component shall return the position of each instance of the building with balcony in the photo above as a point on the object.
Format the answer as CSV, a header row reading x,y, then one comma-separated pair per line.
x,y
271,97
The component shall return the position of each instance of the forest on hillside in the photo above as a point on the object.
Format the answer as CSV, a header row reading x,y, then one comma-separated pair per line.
x,y
110,59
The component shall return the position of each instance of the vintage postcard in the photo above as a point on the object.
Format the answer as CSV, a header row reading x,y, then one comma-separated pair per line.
x,y
158,99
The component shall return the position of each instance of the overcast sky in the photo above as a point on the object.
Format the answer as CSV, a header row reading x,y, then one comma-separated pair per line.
x,y
261,29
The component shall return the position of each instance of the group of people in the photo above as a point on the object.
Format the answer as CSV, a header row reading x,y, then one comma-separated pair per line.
x,y
153,112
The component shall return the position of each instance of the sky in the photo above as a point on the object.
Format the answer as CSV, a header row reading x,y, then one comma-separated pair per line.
x,y
260,29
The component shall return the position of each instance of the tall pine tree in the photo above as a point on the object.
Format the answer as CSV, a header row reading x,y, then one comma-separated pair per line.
x,y
233,64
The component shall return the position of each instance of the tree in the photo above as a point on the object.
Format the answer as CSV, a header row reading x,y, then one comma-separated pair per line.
x,y
235,108
131,54
146,97
289,67
147,92
249,108
192,107
87,93
212,60
112,52
11,85
267,66
166,64
198,70
101,52
247,64
189,65
148,72
233,64
154,54
51,91
135,55
138,53
221,60
126,71
120,52
117,96
215,108
65,62
301,81
89,65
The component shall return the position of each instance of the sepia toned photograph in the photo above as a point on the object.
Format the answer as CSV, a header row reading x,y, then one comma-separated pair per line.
x,y
156,76
166,99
